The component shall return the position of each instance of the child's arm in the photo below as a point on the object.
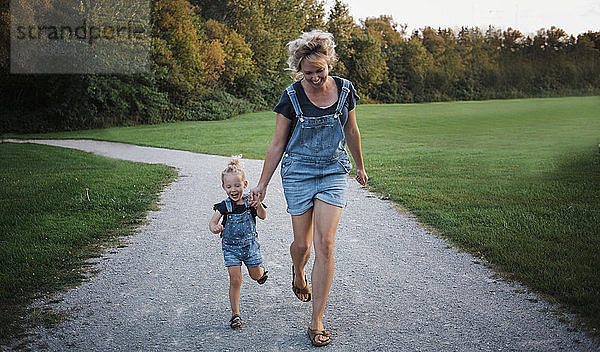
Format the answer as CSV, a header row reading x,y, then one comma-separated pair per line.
x,y
261,212
215,223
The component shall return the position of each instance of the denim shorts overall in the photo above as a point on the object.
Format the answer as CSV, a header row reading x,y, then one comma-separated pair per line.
x,y
315,163
239,241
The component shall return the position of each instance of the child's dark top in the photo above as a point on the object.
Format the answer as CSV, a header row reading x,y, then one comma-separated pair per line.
x,y
237,209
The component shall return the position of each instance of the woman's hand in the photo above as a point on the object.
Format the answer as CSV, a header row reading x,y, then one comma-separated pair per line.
x,y
257,195
353,141
361,176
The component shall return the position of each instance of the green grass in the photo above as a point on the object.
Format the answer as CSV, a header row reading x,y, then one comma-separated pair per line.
x,y
249,134
59,207
516,182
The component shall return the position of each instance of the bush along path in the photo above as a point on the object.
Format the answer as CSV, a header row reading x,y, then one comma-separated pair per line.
x,y
396,285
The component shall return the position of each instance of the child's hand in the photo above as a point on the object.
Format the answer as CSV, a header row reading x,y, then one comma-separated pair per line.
x,y
215,225
216,229
261,212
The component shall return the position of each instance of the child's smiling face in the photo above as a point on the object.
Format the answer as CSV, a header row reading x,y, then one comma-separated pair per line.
x,y
234,186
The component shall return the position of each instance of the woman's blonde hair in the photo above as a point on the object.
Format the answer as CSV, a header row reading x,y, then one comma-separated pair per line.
x,y
313,46
234,167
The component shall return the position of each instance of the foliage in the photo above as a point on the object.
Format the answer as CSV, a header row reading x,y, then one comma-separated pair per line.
x,y
341,24
219,105
365,62
4,36
213,59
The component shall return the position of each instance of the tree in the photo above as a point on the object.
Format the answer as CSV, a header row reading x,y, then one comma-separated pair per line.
x,y
314,14
433,42
4,37
237,55
384,28
365,63
178,52
341,24
418,62
393,86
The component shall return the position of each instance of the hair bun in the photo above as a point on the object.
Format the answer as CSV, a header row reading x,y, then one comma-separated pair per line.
x,y
235,166
235,161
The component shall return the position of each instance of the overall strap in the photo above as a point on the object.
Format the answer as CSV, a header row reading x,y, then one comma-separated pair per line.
x,y
343,96
245,197
229,205
292,94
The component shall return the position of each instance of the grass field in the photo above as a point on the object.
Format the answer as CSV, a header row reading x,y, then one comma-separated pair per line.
x,y
516,182
59,206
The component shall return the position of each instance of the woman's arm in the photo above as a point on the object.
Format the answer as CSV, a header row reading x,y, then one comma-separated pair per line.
x,y
274,153
353,140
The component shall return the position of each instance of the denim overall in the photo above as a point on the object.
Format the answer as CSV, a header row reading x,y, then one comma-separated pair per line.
x,y
239,229
315,163
239,237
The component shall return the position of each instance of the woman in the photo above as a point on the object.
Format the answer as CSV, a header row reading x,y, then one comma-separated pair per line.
x,y
316,117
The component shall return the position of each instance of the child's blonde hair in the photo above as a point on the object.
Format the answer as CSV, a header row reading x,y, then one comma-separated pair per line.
x,y
235,167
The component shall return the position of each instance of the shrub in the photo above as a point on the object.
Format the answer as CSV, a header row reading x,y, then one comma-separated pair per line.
x,y
219,105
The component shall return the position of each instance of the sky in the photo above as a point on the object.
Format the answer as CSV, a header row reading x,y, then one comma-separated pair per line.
x,y
528,16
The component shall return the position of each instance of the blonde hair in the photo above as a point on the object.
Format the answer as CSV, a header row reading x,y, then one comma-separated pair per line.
x,y
313,46
234,167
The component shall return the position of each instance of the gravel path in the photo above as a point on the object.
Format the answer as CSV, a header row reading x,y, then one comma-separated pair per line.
x,y
396,286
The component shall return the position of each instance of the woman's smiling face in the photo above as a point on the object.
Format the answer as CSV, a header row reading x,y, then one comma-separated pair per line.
x,y
315,73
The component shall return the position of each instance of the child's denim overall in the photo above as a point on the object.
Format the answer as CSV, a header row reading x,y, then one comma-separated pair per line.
x,y
315,163
240,228
239,237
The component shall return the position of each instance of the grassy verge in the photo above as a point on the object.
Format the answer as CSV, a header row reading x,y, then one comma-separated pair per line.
x,y
59,208
516,182
249,134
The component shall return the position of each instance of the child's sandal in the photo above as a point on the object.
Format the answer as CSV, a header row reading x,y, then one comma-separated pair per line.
x,y
264,277
235,322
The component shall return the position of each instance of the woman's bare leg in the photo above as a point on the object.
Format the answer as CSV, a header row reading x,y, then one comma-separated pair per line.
x,y
300,248
326,219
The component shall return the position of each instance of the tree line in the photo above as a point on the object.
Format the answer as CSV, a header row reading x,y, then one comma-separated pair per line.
x,y
213,59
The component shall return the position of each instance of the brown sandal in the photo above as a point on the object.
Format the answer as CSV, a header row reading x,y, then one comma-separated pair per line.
x,y
313,336
300,290
235,322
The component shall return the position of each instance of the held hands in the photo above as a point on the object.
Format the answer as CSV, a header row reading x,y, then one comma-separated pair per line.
x,y
257,195
361,177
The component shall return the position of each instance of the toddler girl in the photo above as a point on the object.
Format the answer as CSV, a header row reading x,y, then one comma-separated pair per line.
x,y
239,236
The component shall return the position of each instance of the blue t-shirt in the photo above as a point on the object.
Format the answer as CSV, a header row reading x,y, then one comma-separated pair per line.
x,y
285,107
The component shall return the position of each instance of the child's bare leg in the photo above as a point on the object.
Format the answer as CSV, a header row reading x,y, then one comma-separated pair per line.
x,y
235,283
256,272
